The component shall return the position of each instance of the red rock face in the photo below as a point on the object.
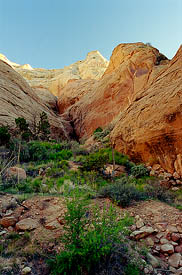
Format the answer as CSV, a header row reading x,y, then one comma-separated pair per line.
x,y
141,94
91,104
150,129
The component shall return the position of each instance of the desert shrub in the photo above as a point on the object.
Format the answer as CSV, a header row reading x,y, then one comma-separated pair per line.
x,y
156,191
98,130
95,161
77,149
4,135
44,127
62,155
23,129
122,192
89,238
139,171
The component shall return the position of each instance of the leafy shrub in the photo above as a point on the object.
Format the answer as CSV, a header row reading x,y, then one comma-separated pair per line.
x,y
23,128
139,171
95,161
122,192
98,130
4,135
88,238
156,191
44,127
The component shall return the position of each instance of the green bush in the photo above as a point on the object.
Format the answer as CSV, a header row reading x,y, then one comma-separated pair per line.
x,y
95,161
98,130
4,135
156,191
89,238
139,171
122,192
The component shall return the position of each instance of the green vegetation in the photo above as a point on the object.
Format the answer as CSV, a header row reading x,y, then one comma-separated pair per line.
x,y
93,241
95,237
4,135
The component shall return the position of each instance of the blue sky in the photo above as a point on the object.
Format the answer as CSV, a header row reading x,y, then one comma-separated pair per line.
x,y
56,33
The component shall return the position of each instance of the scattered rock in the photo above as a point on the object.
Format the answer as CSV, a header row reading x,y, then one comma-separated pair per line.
x,y
153,261
167,248
8,221
16,172
26,270
172,229
175,237
52,225
26,224
143,232
174,260
163,241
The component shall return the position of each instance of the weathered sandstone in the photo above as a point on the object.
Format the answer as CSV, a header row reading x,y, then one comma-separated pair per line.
x,y
17,99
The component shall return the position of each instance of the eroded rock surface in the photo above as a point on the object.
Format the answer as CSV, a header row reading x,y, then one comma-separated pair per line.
x,y
17,99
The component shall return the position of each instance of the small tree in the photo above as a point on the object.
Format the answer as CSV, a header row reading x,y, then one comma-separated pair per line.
x,y
23,128
4,135
44,126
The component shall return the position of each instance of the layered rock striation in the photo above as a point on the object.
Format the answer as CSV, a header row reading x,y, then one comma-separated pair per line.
x,y
140,93
17,99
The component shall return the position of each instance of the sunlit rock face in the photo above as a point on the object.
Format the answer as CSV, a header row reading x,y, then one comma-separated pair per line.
x,y
150,128
95,103
54,80
141,94
17,99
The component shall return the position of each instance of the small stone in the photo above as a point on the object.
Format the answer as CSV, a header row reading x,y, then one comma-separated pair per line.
x,y
52,225
152,173
146,271
179,228
8,221
10,229
175,237
156,167
178,248
175,189
16,172
149,242
176,175
174,243
179,271
163,241
174,259
172,229
153,261
26,224
167,175
26,270
172,269
167,248
159,235
139,223
3,232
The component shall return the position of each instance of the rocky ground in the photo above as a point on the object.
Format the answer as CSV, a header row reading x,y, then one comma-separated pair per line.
x,y
35,225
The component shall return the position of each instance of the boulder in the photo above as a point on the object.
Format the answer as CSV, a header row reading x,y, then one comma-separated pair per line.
x,y
174,260
26,224
16,172
143,232
167,248
8,221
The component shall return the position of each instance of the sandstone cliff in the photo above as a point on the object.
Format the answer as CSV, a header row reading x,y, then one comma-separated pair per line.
x,y
150,128
96,103
141,94
18,99
54,80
